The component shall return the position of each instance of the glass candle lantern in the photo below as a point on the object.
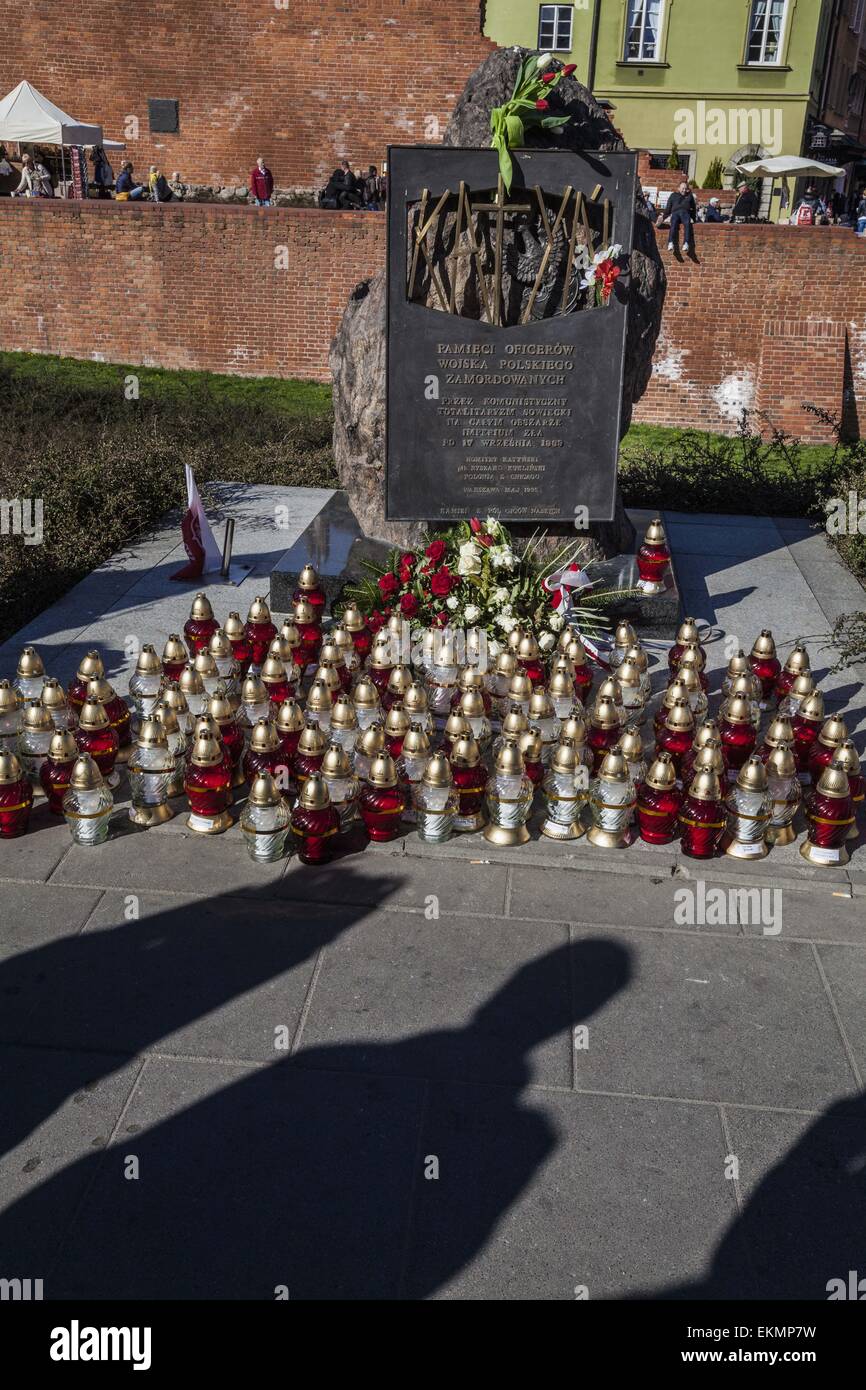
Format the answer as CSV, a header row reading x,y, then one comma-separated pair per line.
x,y
531,748
456,727
87,803
309,754
326,672
54,700
611,689
16,796
310,588
368,707
442,683
710,758
434,801
146,682
686,632
737,666
499,679
220,649
543,717
304,619
631,746
832,735
192,688
349,659
471,679
264,753
199,626
612,802
576,653
396,729
702,818
470,781
800,688
520,692
399,682
275,679
779,732
255,704
206,668
151,769
785,793
806,725
380,800
748,813
90,668
56,771
472,708
178,741
411,763
30,674
174,657
355,623
34,740
563,794
677,734
697,698
10,717
638,657
706,732
514,725
659,801
747,687
737,733
343,786
331,669
624,636
230,732
632,690
343,728
604,730
242,650
846,758
173,698
369,744
694,658
677,690
797,664
290,725
560,688
118,712
417,706
765,665
259,630
265,821
318,706
315,823
829,817
529,659
208,786
653,559
509,796
573,730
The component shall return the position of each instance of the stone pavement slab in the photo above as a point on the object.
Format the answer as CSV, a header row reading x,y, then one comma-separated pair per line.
x,y
34,917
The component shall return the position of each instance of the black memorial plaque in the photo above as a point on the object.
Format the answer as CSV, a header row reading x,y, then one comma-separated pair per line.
x,y
518,419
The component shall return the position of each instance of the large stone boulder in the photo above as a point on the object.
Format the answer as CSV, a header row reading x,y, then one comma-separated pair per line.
x,y
358,350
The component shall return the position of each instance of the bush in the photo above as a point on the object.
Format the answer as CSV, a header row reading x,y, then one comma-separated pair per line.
x,y
674,157
715,174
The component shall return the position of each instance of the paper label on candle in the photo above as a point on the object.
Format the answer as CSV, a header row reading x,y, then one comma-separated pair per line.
x,y
751,851
824,856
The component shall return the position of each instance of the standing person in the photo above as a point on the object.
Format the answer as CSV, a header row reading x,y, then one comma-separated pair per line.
x,y
35,180
158,186
373,189
126,186
861,213
261,183
746,207
681,210
350,195
809,209
103,174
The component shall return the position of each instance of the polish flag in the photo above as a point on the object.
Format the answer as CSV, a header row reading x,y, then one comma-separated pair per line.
x,y
204,554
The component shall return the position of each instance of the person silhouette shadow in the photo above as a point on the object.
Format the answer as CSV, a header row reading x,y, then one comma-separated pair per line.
x,y
345,1170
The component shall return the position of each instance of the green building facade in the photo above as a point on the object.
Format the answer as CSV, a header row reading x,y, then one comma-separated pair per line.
x,y
721,79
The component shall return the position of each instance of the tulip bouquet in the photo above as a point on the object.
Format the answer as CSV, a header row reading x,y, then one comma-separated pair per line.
x,y
529,105
602,274
472,576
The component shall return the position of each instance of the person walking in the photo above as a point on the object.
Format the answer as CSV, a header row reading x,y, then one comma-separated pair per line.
x,y
681,211
261,183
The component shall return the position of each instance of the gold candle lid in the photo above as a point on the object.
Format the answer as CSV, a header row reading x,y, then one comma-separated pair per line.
x,y
314,795
383,771
465,752
561,685
290,719
396,722
707,732
638,656
353,618
764,646
680,716
692,656
92,716
688,676
655,532
564,757
174,649
308,577
259,611
677,690
273,671
289,633
846,757
330,654
738,664
206,724
365,694
10,700
90,666
342,639
233,626
417,741
219,644
62,748
798,663
710,757
745,685
574,728
781,761
540,705
688,632
506,663
515,723
472,704
312,740
204,664
629,675
780,731
399,681
604,713
253,691
336,762
343,714
624,635
470,678
631,744
610,689
834,782
575,652
737,710
86,776
515,637
151,734
833,732
519,687
415,698
220,706
100,689
531,744
201,610
812,707
371,741
264,737
264,791
661,775
380,653
190,681
527,648
437,773
705,785
456,726
614,767
30,663
167,716
509,759
53,695
752,776
148,662
11,769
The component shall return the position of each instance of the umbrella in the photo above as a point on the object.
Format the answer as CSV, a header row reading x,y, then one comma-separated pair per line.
x,y
790,166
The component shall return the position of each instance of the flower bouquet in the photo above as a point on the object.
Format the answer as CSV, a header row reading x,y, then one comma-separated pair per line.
x,y
472,576
602,274
527,106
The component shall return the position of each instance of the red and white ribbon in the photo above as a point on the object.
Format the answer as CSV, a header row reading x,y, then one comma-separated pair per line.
x,y
561,583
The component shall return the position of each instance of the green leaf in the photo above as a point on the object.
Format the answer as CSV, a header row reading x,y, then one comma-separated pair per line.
x,y
550,122
514,130
506,168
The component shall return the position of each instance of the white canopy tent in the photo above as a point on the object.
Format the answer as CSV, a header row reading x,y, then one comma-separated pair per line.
x,y
30,118
790,166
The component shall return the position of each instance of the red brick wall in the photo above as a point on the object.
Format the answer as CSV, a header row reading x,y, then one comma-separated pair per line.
x,y
768,318
301,81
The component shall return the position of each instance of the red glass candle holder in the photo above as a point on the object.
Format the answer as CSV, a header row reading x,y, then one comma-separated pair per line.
x,y
16,799
55,777
289,745
583,682
362,641
830,818
534,770
232,740
259,636
208,789
677,742
197,633
533,667
738,743
380,675
273,761
315,597
599,742
805,733
767,669
305,764
394,744
102,745
242,651
701,825
315,833
657,813
120,719
381,809
471,785
820,756
280,690
652,563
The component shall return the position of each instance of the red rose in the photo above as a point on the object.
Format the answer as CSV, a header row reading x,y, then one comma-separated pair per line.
x,y
440,620
542,105
435,550
568,69
549,77
485,541
388,584
440,584
409,605
475,524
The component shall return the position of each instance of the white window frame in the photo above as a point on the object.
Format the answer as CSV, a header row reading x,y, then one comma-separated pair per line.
x,y
643,57
556,19
855,20
764,61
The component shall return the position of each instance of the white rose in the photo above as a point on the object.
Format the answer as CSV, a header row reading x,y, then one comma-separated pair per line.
x,y
543,60
451,602
470,559
491,525
547,641
472,613
493,648
557,622
506,622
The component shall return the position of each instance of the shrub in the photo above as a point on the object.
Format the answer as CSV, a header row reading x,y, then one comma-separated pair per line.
x,y
715,174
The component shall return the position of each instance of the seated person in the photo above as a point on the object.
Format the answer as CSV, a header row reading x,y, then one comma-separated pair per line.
x,y
126,187
714,211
